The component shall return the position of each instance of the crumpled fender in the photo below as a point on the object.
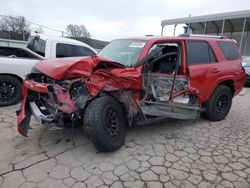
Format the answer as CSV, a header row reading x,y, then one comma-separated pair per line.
x,y
24,114
112,76
114,79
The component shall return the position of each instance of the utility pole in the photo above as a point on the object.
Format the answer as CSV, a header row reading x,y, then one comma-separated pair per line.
x,y
23,34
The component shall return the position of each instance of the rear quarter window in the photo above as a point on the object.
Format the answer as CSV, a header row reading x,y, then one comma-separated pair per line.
x,y
228,49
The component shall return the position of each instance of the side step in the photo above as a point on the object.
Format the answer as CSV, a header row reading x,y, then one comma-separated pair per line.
x,y
171,111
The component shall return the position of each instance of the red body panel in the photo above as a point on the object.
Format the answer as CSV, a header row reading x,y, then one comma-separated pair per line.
x,y
22,115
206,77
35,86
108,79
76,66
112,76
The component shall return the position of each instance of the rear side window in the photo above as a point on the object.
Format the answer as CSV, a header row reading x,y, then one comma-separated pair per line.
x,y
199,52
229,50
82,51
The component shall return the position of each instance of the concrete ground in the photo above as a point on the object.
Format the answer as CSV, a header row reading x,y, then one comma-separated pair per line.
x,y
170,153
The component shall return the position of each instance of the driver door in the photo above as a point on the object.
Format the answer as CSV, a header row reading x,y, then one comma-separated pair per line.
x,y
165,84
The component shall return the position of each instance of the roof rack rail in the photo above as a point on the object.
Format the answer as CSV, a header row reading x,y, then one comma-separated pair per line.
x,y
205,36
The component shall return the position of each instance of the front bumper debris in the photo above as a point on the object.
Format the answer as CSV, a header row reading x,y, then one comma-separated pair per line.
x,y
48,103
39,116
24,114
31,91
35,86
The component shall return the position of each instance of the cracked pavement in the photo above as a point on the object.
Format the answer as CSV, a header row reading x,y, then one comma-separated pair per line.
x,y
166,153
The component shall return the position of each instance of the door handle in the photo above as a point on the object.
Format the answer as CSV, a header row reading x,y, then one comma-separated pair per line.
x,y
215,71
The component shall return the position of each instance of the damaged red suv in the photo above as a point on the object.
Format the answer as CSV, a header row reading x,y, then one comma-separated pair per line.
x,y
133,80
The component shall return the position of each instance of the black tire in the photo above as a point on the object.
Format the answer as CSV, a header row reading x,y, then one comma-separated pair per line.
x,y
219,103
10,90
105,124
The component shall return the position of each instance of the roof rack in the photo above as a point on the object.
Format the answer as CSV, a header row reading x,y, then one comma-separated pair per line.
x,y
204,36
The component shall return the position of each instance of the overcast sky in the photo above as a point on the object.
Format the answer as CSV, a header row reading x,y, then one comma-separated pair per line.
x,y
110,19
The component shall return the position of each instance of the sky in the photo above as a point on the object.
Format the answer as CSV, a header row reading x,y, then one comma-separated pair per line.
x,y
112,19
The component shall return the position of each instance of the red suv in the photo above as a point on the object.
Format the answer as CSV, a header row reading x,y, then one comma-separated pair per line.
x,y
132,80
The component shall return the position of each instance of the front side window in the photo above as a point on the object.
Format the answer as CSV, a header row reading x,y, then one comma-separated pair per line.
x,y
228,49
64,50
125,52
199,52
166,59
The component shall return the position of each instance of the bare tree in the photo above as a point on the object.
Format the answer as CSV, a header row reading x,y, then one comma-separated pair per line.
x,y
78,31
14,26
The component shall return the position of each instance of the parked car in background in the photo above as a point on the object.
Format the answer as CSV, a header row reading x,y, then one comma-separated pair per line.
x,y
57,47
246,67
15,63
133,80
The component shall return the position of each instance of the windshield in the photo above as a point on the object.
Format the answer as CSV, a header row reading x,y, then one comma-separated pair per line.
x,y
36,45
125,51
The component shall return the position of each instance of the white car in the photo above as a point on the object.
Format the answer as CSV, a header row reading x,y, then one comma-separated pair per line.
x,y
15,63
56,47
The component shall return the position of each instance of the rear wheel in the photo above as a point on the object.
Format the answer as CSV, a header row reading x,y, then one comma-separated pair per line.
x,y
10,90
105,123
219,104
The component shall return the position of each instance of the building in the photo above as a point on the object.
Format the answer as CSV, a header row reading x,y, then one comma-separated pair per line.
x,y
234,25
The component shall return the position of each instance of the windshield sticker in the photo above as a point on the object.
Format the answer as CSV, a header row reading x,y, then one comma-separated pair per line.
x,y
137,44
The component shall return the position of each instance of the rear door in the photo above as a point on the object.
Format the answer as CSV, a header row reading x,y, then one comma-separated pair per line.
x,y
231,63
202,66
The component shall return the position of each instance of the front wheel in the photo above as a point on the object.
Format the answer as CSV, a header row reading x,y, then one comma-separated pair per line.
x,y
105,124
219,103
10,90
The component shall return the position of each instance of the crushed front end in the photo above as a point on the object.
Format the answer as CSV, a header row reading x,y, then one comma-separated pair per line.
x,y
49,100
52,97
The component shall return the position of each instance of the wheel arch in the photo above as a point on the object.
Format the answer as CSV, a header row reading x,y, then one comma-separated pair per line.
x,y
110,94
13,75
230,84
118,97
226,82
18,92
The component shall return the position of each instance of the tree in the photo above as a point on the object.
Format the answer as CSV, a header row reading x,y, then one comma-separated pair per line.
x,y
77,31
14,26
